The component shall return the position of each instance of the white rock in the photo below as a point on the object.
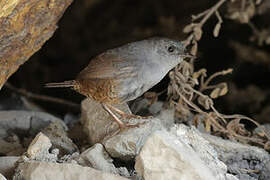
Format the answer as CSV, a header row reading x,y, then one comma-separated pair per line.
x,y
231,177
26,121
239,157
66,171
97,158
39,149
193,138
127,144
165,157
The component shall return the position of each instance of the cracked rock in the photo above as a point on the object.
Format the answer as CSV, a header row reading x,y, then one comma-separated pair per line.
x,y
127,144
97,158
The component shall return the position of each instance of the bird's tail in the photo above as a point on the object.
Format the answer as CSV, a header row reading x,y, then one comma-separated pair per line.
x,y
64,84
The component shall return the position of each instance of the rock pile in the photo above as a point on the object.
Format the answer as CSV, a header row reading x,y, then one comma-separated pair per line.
x,y
37,146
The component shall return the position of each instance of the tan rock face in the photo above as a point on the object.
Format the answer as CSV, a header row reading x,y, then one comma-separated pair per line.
x,y
25,26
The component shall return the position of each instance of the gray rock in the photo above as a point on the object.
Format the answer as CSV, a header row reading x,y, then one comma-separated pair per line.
x,y
247,162
142,107
193,138
165,156
127,144
71,119
24,121
166,117
69,158
265,128
7,165
97,123
39,149
231,177
123,171
59,138
66,171
97,158
156,107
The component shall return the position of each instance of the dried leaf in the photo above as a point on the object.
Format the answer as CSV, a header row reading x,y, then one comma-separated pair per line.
x,y
194,49
267,146
196,120
234,15
223,90
220,90
208,125
186,70
215,93
224,72
244,18
217,29
251,10
188,28
201,72
267,41
197,32
194,81
258,2
205,101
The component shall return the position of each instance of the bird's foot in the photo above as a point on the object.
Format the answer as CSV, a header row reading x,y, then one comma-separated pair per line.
x,y
133,116
134,125
124,127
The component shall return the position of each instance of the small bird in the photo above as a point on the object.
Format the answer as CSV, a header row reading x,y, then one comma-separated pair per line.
x,y
122,74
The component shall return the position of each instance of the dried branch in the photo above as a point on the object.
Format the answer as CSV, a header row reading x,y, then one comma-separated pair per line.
x,y
183,93
44,98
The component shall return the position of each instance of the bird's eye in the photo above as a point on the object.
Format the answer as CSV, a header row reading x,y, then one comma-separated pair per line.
x,y
171,49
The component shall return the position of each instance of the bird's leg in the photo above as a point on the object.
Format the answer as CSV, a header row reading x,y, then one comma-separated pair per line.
x,y
124,115
116,119
121,124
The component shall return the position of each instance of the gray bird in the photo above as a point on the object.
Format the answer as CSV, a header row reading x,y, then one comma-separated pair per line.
x,y
122,74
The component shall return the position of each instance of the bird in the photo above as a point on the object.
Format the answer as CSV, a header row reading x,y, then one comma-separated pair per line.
x,y
124,73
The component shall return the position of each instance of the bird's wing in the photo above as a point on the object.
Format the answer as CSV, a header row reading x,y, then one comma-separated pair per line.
x,y
107,66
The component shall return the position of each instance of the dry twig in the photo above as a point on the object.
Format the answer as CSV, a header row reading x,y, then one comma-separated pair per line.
x,y
45,98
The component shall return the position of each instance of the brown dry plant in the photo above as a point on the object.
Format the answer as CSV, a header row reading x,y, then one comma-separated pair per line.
x,y
192,92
